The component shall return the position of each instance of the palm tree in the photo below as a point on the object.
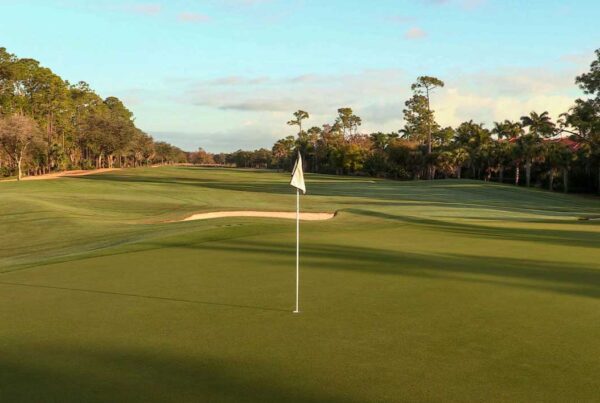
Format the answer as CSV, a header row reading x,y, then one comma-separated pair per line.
x,y
583,122
473,136
499,129
503,155
558,157
540,125
487,157
444,163
528,149
510,131
380,141
460,155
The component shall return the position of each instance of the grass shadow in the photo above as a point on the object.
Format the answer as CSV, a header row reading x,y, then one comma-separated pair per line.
x,y
572,279
90,374
552,236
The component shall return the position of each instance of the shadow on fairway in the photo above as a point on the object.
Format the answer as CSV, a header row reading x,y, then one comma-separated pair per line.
x,y
88,374
560,237
460,194
121,294
521,273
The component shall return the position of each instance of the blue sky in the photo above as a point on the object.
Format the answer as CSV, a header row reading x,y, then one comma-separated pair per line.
x,y
227,74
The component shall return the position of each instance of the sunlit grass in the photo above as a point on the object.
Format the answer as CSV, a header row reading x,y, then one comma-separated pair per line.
x,y
438,291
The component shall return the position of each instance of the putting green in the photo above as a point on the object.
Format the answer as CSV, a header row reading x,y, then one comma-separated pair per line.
x,y
415,291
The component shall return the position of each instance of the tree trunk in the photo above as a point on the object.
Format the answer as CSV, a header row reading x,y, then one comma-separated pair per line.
x,y
458,171
19,173
528,172
49,134
517,174
19,158
428,125
565,180
501,175
551,181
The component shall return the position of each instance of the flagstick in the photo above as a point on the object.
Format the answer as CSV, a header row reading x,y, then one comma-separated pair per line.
x,y
297,251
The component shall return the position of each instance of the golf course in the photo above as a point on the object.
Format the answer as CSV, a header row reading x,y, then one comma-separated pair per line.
x,y
446,290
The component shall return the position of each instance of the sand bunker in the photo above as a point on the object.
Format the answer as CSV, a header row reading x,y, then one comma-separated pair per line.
x,y
261,214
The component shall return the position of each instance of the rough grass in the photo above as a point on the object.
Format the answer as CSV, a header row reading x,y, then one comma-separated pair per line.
x,y
416,291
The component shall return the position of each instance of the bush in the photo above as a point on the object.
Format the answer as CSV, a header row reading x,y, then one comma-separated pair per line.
x,y
5,172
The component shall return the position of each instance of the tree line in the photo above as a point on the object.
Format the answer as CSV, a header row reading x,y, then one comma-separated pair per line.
x,y
49,124
562,155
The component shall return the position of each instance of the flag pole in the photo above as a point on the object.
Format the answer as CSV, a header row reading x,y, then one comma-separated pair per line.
x,y
297,251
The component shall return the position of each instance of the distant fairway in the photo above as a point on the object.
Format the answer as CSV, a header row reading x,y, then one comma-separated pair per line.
x,y
416,291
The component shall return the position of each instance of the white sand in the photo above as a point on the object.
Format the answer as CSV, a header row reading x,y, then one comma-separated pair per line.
x,y
261,214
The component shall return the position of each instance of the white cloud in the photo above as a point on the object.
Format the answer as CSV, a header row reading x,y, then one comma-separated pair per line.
x,y
466,4
245,138
246,2
321,93
399,19
415,33
518,81
454,106
146,8
252,112
472,4
237,80
193,17
257,104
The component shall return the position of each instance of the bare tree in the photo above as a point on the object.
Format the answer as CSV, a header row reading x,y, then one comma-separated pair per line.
x,y
17,133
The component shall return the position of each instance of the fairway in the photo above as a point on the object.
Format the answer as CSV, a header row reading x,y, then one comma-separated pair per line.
x,y
447,290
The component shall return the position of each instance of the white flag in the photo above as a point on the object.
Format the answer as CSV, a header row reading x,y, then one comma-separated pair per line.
x,y
298,175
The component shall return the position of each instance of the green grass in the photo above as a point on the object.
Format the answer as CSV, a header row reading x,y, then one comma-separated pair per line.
x,y
416,291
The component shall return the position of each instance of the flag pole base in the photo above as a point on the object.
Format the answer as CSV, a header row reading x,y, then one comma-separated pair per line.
x,y
296,311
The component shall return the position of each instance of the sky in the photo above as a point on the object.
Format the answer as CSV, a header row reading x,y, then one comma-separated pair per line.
x,y
227,74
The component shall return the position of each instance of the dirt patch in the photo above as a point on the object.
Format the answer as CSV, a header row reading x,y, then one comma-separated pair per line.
x,y
261,214
56,175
